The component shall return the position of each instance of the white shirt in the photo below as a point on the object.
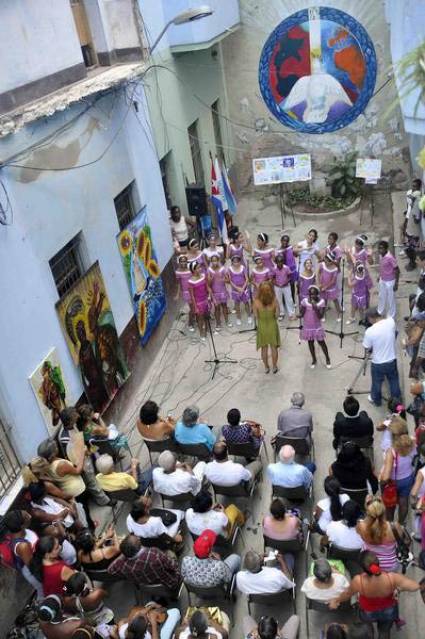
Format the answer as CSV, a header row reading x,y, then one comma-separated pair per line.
x,y
214,520
339,533
307,252
52,507
340,583
175,483
180,229
380,337
227,473
150,529
268,580
325,505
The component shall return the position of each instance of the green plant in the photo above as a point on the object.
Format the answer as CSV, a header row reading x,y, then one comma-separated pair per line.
x,y
342,178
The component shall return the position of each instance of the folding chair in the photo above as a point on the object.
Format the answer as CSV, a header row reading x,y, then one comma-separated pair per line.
x,y
293,546
248,450
148,592
178,501
241,490
198,452
159,445
303,451
321,606
126,495
350,558
211,593
273,599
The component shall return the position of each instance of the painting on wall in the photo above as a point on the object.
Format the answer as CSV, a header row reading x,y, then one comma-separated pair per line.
x,y
143,274
87,321
317,70
50,390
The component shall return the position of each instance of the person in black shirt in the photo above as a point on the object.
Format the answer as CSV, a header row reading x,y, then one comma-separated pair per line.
x,y
353,470
352,423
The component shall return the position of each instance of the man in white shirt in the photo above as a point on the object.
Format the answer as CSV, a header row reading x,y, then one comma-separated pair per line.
x,y
380,340
258,579
222,471
172,478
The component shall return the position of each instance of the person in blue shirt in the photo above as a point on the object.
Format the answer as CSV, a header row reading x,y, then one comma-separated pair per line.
x,y
189,431
288,473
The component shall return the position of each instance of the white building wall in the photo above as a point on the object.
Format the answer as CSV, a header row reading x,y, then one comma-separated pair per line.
x,y
50,208
225,16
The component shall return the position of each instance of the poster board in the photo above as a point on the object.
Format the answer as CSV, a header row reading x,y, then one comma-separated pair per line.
x,y
50,389
369,169
282,168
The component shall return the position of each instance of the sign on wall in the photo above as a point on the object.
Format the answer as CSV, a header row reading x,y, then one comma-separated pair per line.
x,y
143,274
88,324
50,389
369,169
317,70
282,168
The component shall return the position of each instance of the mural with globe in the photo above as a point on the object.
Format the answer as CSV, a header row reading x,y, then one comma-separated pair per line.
x,y
317,70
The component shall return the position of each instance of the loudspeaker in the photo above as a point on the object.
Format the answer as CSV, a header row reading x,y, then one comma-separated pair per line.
x,y
196,197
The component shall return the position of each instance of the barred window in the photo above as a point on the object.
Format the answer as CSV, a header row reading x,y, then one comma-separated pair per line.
x,y
195,150
124,206
67,265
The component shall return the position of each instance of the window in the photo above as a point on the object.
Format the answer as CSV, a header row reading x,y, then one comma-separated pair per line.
x,y
125,206
164,166
195,150
215,112
84,33
9,462
67,266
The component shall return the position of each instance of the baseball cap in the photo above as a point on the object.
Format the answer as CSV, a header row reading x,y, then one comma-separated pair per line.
x,y
204,544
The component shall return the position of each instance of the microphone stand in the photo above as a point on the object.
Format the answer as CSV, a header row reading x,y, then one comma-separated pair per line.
x,y
341,333
216,361
300,325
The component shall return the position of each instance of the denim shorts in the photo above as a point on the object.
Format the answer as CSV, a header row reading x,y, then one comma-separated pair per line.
x,y
381,616
404,486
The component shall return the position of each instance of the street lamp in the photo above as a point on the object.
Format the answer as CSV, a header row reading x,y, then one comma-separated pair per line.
x,y
185,16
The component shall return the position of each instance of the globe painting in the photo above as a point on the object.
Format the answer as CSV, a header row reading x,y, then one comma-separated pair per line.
x,y
317,70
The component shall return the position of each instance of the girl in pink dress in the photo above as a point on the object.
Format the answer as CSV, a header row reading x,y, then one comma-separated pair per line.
x,y
219,294
198,288
360,292
213,249
237,246
183,276
264,251
237,277
194,254
260,273
359,253
306,278
312,310
327,278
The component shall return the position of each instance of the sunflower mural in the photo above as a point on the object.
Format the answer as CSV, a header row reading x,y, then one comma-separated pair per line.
x,y
143,274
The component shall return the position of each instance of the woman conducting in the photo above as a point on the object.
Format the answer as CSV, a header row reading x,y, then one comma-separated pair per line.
x,y
266,311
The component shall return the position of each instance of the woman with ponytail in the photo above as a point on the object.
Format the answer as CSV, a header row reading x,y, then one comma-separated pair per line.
x,y
47,567
377,593
329,508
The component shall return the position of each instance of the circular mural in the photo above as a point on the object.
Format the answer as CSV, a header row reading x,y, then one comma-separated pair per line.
x,y
317,70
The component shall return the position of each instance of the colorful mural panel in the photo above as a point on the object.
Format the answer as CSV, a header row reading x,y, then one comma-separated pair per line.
x,y
87,321
143,274
317,70
47,382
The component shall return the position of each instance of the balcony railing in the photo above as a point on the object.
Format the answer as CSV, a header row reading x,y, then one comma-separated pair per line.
x,y
9,462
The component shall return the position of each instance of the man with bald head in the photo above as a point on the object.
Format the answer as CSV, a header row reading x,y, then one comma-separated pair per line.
x,y
222,471
287,473
174,478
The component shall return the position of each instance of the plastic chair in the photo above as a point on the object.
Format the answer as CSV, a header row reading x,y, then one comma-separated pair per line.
x,y
247,450
196,451
273,599
159,445
211,593
299,444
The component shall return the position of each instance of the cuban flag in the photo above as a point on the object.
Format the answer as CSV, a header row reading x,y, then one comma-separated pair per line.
x,y
218,198
228,193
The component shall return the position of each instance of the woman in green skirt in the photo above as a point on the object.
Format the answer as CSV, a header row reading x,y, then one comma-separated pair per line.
x,y
266,311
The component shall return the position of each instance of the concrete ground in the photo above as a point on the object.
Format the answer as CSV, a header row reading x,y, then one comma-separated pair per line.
x,y
180,376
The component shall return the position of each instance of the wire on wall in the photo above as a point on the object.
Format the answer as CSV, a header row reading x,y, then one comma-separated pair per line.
x,y
6,210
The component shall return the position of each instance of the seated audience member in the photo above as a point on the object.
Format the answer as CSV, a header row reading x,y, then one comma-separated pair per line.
x,y
203,626
281,524
326,582
151,426
47,567
190,431
329,508
296,421
175,478
54,624
258,578
145,565
109,479
343,533
205,567
353,469
36,471
237,432
267,628
223,471
352,423
142,523
93,427
22,543
46,509
337,631
287,473
82,598
151,620
204,515
97,554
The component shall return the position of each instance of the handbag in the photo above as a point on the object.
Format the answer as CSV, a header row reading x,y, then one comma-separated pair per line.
x,y
167,517
389,492
402,550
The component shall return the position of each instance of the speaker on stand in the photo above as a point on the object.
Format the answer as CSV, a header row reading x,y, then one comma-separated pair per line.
x,y
197,205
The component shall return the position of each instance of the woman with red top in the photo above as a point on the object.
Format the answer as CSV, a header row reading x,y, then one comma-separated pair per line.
x,y
48,568
377,594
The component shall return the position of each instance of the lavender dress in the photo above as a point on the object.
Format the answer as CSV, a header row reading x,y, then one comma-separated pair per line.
x,y
267,255
236,250
304,285
290,261
183,278
362,256
360,293
260,276
312,326
200,259
329,278
218,285
200,293
239,279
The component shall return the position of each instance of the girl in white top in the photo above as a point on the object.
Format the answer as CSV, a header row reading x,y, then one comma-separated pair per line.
x,y
330,508
343,533
141,523
205,516
308,248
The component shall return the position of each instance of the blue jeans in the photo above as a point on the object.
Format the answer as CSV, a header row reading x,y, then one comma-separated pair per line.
x,y
379,373
383,618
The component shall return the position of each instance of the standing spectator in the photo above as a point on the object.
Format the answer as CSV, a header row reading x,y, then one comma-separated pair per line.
x,y
179,229
352,423
237,432
296,421
378,534
398,467
389,274
258,578
223,471
206,568
287,473
54,624
175,478
190,431
22,542
145,565
80,597
412,224
48,568
97,554
380,339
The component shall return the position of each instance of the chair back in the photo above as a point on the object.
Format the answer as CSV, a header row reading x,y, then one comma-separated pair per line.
x,y
159,590
356,494
198,451
104,447
298,493
126,494
247,450
103,576
322,606
240,490
159,445
289,545
177,500
210,593
362,442
345,554
272,599
299,444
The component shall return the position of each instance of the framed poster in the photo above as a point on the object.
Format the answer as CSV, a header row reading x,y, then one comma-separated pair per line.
x,y
368,169
50,390
282,168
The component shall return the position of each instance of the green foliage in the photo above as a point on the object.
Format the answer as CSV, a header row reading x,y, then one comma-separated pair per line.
x,y
320,202
342,178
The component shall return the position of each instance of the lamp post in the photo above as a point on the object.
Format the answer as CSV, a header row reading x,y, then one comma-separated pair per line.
x,y
185,16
